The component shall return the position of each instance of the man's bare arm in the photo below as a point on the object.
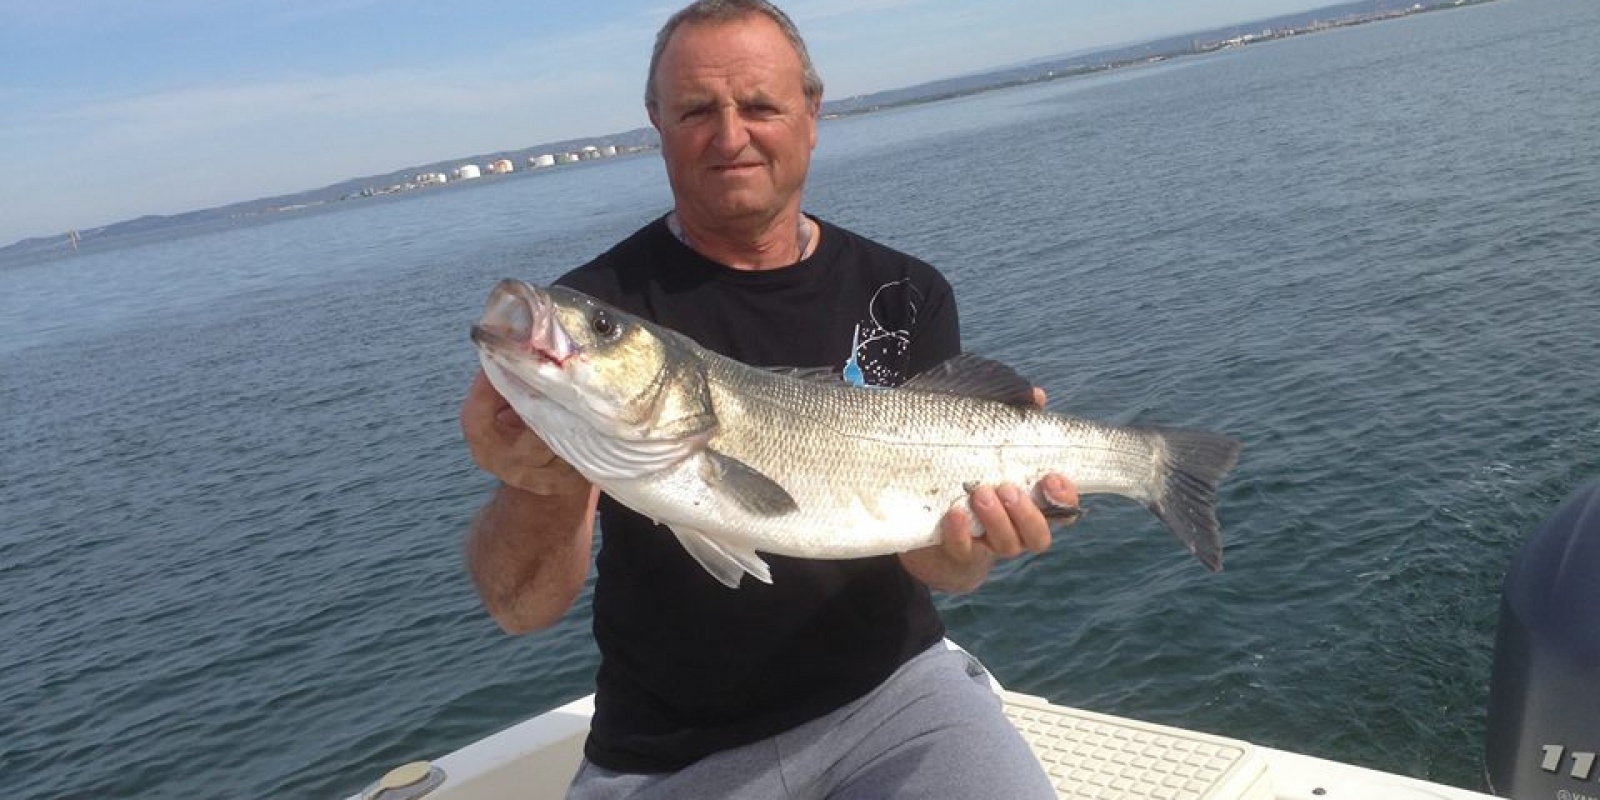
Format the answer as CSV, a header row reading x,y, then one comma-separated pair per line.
x,y
529,554
528,548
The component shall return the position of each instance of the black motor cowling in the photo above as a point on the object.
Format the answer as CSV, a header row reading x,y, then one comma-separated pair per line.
x,y
1544,695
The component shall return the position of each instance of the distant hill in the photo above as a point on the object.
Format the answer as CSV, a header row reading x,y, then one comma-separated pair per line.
x,y
1100,59
130,231
134,230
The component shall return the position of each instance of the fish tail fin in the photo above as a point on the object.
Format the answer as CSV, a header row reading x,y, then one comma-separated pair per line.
x,y
1193,464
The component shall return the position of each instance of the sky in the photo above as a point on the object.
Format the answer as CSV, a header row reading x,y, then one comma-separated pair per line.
x,y
114,109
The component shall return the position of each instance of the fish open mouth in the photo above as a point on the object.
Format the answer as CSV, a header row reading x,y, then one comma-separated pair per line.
x,y
520,320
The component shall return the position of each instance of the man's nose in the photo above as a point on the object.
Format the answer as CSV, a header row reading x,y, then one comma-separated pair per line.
x,y
731,136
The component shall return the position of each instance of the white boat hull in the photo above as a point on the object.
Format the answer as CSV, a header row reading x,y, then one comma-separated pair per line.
x,y
1087,755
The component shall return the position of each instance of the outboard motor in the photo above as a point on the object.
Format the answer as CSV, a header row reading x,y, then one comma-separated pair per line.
x,y
1544,695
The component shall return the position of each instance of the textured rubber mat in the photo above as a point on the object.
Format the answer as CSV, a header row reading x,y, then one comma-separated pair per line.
x,y
1096,757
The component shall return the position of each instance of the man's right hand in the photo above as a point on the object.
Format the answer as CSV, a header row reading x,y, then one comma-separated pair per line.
x,y
528,548
504,446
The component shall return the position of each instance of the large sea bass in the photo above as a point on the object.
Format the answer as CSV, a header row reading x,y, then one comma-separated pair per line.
x,y
736,459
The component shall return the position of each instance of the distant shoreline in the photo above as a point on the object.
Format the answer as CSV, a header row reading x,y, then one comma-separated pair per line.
x,y
73,241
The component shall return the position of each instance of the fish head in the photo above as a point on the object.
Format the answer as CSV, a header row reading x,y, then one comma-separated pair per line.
x,y
622,375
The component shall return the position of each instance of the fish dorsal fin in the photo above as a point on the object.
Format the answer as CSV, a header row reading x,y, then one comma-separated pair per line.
x,y
971,375
815,374
726,563
745,487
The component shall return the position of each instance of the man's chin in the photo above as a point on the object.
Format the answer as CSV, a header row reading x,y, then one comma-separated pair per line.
x,y
733,209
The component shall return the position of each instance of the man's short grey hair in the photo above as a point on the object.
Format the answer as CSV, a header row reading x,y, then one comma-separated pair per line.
x,y
716,11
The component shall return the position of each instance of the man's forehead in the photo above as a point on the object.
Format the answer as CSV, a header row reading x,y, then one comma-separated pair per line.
x,y
692,97
750,43
705,71
749,22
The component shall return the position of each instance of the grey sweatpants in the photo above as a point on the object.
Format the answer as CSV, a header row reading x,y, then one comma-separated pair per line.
x,y
934,729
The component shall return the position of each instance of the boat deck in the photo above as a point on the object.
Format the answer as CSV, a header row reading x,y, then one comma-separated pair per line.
x,y
1094,756
1089,756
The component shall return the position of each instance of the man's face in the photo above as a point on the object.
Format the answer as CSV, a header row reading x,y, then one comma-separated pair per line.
x,y
736,127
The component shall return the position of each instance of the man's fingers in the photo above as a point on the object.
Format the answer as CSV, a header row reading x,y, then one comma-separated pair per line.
x,y
1015,521
1033,530
508,424
955,534
484,409
1058,499
481,406
1058,491
999,535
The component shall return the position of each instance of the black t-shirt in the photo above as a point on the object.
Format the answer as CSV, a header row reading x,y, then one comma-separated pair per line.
x,y
688,666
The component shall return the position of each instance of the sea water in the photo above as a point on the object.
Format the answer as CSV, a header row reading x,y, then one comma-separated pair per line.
x,y
234,491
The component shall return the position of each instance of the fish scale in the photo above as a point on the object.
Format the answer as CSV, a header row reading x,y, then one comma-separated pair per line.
x,y
848,456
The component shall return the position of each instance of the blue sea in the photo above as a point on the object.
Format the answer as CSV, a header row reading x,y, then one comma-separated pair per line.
x,y
234,492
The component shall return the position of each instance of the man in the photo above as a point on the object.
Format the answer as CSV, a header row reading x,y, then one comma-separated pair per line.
x,y
831,681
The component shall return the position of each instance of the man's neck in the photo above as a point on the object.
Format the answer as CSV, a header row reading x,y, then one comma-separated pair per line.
x,y
786,241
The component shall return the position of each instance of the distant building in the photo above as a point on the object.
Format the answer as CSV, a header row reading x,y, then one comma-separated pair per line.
x,y
544,160
431,178
566,158
467,172
589,152
608,150
501,167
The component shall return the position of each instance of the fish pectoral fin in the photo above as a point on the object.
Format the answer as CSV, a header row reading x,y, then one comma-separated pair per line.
x,y
744,486
725,562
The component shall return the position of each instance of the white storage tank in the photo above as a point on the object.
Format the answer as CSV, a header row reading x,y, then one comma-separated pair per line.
x,y
468,172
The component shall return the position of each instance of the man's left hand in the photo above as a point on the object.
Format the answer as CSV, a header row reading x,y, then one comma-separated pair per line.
x,y
1012,523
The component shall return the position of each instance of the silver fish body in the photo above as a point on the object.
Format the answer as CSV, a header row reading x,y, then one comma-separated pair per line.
x,y
738,460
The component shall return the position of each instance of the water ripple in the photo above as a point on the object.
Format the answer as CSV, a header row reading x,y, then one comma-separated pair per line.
x,y
235,491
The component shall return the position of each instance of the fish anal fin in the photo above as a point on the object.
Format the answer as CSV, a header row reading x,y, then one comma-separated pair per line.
x,y
727,563
744,486
971,375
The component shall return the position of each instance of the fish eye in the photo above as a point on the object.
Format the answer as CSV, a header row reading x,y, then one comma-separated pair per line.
x,y
603,325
